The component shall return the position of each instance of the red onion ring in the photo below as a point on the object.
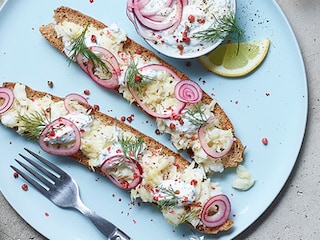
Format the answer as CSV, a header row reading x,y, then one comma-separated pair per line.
x,y
208,150
110,61
59,149
156,18
219,215
110,83
130,15
113,162
140,3
185,2
82,62
188,91
154,25
178,16
154,11
173,110
150,19
8,97
71,97
108,56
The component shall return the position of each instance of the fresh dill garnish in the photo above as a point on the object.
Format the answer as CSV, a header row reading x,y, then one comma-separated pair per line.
x,y
196,115
224,27
79,47
118,163
131,147
188,216
171,199
34,123
136,80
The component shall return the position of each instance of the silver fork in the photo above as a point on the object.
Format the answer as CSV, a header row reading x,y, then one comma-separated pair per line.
x,y
63,191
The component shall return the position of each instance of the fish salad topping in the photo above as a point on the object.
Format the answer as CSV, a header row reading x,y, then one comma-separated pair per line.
x,y
154,87
181,192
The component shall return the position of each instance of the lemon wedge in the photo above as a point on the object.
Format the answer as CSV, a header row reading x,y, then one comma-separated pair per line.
x,y
233,60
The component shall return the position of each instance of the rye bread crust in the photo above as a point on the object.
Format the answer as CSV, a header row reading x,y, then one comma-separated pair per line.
x,y
61,14
150,144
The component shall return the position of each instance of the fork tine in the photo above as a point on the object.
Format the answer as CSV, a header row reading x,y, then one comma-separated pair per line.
x,y
39,167
46,162
35,173
31,181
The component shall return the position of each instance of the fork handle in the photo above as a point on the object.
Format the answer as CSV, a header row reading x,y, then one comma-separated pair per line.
x,y
104,226
107,228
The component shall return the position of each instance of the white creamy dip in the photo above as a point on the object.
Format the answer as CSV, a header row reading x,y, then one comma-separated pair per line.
x,y
188,119
173,190
197,16
65,134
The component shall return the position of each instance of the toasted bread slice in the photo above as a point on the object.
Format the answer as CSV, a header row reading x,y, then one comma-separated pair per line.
x,y
130,49
31,108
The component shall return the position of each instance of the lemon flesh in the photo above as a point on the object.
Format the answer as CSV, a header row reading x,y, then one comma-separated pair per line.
x,y
236,60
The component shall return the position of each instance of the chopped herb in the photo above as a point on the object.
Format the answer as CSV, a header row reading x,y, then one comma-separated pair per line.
x,y
171,200
189,216
34,123
131,147
224,27
196,115
79,47
135,80
118,162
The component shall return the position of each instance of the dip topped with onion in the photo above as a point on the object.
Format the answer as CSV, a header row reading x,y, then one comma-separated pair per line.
x,y
172,27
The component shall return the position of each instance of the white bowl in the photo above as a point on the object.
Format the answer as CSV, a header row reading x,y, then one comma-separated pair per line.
x,y
166,41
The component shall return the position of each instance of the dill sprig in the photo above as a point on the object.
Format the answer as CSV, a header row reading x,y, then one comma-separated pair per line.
x,y
171,200
223,28
188,216
34,123
136,80
131,147
119,162
79,47
196,115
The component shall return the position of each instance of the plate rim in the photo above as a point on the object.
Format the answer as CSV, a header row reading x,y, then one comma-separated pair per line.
x,y
305,115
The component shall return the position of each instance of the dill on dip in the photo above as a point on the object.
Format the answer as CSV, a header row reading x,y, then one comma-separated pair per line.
x,y
221,29
134,79
131,147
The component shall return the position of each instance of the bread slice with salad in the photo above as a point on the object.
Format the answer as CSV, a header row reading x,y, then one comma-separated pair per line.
x,y
194,120
71,127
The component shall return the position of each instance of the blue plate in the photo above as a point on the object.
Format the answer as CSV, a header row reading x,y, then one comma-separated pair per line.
x,y
271,102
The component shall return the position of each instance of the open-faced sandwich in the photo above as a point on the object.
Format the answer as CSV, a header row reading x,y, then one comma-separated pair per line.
x,y
194,120
131,160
